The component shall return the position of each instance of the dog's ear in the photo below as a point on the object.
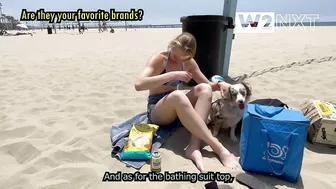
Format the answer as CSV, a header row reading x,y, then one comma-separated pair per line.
x,y
229,93
226,93
247,87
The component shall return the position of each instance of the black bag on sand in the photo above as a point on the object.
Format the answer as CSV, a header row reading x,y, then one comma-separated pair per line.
x,y
265,102
269,102
211,185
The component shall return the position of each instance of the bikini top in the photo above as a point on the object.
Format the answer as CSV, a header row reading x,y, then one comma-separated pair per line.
x,y
175,83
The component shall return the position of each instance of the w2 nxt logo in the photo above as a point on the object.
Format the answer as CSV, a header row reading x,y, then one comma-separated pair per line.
x,y
275,153
267,22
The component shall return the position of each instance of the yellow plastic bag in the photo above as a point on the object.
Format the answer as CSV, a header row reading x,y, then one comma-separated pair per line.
x,y
139,142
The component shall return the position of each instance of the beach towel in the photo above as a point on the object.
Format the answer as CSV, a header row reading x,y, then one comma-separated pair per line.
x,y
119,137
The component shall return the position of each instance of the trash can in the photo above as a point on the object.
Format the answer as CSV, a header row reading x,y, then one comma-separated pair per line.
x,y
207,30
49,30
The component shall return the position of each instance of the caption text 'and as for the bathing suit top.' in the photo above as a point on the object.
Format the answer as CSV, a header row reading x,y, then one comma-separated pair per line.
x,y
168,177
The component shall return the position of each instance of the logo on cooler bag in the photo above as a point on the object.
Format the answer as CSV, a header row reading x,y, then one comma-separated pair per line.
x,y
276,153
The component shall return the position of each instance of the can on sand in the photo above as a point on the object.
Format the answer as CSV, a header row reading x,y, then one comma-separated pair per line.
x,y
156,162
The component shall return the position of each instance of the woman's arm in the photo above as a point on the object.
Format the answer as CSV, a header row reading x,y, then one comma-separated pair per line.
x,y
147,81
199,77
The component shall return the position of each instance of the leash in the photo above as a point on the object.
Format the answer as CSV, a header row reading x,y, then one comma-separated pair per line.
x,y
285,66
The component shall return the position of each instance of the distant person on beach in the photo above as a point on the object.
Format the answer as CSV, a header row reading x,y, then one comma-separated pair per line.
x,y
83,27
99,27
104,26
161,76
79,28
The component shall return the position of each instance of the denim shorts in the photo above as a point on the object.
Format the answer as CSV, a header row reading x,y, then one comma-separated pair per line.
x,y
152,100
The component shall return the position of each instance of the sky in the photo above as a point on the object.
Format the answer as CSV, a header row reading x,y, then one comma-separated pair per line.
x,y
170,11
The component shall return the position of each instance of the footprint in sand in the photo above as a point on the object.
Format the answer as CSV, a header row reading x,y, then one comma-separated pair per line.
x,y
41,100
123,113
129,101
78,175
43,163
3,117
38,135
5,71
119,87
50,121
77,141
109,120
122,101
58,97
106,129
305,96
19,132
81,125
99,95
95,120
109,88
73,156
71,108
37,110
59,137
93,102
22,151
20,120
95,149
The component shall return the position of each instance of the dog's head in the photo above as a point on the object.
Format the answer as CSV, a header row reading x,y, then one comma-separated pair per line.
x,y
238,94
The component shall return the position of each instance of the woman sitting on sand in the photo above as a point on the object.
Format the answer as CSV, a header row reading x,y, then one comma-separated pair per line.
x,y
163,72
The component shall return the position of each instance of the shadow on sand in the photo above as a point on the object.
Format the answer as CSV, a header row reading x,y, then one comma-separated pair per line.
x,y
321,149
180,139
270,182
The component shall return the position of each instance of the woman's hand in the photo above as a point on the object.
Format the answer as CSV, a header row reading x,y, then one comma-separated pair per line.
x,y
182,76
223,87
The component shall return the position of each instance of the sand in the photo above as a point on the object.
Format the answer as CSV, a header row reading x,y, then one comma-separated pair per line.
x,y
60,94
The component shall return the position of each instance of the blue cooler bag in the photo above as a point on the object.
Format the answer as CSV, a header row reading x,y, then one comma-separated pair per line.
x,y
272,141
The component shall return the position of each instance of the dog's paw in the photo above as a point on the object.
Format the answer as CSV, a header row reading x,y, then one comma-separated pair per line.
x,y
234,139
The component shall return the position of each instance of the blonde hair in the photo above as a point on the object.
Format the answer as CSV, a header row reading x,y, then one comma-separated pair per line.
x,y
186,42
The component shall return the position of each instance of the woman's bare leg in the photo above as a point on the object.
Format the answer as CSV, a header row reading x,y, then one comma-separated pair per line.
x,y
178,104
200,97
